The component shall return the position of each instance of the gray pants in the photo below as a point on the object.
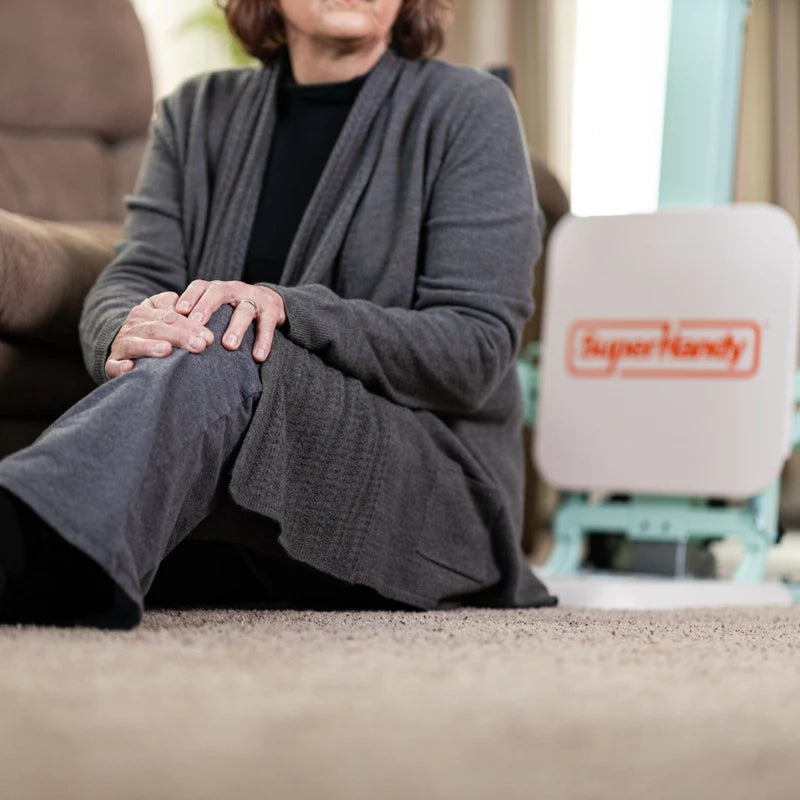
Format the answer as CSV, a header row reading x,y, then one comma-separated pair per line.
x,y
143,461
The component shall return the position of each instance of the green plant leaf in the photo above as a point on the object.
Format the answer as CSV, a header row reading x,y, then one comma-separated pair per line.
x,y
212,21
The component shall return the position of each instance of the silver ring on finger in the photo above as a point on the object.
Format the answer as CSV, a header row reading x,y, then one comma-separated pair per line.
x,y
252,303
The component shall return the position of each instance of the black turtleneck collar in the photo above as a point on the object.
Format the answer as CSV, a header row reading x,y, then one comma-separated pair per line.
x,y
309,119
339,92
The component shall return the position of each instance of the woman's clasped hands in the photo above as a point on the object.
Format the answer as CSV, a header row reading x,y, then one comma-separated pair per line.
x,y
167,320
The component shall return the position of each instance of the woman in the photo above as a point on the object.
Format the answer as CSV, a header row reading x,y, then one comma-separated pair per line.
x,y
308,332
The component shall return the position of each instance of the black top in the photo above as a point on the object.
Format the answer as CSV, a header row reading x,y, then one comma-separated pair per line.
x,y
309,119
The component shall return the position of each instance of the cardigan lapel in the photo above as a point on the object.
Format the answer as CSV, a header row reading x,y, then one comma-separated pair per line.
x,y
347,171
240,173
242,166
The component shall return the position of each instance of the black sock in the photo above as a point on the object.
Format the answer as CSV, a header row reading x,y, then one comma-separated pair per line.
x,y
47,580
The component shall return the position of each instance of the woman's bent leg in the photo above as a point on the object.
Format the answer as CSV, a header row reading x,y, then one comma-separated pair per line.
x,y
129,471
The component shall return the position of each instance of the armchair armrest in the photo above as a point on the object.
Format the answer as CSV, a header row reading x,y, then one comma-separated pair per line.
x,y
46,269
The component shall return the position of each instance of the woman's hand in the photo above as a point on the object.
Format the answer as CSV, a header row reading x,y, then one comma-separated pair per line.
x,y
252,303
151,330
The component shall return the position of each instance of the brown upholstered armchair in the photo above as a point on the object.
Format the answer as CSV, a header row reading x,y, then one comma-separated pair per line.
x,y
75,104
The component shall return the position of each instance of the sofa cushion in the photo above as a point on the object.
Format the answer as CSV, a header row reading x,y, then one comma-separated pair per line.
x,y
67,177
63,177
80,65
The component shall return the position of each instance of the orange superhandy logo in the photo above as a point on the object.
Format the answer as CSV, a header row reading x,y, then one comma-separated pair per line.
x,y
602,348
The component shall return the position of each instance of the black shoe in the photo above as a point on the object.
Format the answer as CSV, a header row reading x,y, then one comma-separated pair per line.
x,y
38,566
48,581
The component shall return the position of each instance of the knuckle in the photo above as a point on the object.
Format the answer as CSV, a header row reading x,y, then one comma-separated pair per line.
x,y
271,300
163,300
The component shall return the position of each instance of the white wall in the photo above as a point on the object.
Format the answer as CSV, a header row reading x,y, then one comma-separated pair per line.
x,y
491,25
559,67
174,56
618,105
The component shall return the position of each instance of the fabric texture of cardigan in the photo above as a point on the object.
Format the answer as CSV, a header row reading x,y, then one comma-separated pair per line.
x,y
387,443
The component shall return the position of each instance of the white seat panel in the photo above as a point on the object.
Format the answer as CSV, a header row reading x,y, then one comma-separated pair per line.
x,y
669,351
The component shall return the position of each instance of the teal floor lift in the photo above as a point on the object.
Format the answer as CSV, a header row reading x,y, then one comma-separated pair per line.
x,y
697,168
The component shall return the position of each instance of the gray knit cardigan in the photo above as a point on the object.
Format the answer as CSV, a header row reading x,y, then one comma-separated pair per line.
x,y
387,442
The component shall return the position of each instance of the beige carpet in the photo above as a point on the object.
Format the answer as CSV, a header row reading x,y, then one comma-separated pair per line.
x,y
463,704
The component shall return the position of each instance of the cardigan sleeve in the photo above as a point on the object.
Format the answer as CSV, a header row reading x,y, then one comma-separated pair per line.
x,y
151,258
481,238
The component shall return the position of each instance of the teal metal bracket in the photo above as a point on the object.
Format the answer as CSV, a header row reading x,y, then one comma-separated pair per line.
x,y
528,371
668,519
794,588
657,518
701,110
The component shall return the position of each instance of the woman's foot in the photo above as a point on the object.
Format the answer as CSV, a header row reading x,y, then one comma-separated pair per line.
x,y
45,580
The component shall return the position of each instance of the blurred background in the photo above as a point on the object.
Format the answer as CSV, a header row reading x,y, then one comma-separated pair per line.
x,y
600,83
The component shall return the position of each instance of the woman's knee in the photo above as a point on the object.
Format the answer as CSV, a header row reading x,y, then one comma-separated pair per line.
x,y
216,369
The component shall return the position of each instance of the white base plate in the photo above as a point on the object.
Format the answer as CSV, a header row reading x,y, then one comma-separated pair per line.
x,y
641,592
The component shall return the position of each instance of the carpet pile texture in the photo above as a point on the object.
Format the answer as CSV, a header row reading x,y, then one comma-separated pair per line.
x,y
463,704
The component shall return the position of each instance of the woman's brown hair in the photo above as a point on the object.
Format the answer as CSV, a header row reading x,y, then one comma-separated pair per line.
x,y
418,31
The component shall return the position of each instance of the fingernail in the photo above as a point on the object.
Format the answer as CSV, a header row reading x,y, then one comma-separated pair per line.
x,y
231,340
261,354
184,306
198,315
161,349
196,343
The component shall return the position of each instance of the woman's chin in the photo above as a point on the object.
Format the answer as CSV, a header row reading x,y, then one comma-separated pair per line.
x,y
349,25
